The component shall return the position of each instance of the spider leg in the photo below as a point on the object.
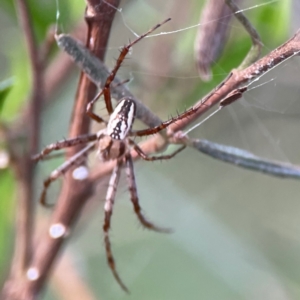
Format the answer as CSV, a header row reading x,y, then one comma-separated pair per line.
x,y
62,169
64,144
145,156
165,124
54,155
106,89
89,109
108,208
135,199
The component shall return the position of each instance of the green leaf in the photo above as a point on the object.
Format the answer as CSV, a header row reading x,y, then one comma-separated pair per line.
x,y
5,88
8,189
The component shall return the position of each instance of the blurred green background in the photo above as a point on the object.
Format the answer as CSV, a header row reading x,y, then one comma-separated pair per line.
x,y
236,232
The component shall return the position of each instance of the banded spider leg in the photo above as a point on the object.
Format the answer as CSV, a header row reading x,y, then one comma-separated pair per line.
x,y
116,144
75,160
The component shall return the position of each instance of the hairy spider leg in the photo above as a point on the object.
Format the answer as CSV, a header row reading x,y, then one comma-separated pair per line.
x,y
63,168
106,89
164,125
145,156
108,208
81,139
90,110
134,197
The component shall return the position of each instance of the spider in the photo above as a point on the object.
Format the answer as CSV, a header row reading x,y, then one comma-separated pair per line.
x,y
114,143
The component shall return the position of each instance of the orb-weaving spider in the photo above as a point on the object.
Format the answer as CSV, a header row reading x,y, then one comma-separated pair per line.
x,y
114,143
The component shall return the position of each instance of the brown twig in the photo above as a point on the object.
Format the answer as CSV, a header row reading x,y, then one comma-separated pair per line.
x,y
237,78
21,162
230,84
227,87
99,18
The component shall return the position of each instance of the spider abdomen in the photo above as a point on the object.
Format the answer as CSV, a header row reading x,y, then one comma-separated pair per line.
x,y
120,121
110,149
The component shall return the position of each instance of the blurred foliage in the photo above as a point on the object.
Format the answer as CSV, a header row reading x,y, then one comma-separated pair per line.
x,y
5,87
14,92
14,50
8,187
183,273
